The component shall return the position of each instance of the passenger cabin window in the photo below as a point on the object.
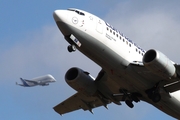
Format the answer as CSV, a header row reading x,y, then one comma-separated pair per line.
x,y
77,11
110,30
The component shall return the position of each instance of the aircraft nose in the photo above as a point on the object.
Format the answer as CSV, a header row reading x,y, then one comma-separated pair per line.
x,y
60,15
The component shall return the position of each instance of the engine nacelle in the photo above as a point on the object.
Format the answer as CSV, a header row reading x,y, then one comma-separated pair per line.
x,y
80,81
159,64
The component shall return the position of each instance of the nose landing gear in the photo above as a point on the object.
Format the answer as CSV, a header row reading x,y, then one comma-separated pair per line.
x,y
71,48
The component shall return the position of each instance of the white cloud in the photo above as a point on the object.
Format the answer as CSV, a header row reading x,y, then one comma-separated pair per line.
x,y
44,51
37,53
41,51
151,24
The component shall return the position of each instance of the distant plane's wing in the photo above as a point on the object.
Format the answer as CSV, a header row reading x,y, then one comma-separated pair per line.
x,y
148,75
78,101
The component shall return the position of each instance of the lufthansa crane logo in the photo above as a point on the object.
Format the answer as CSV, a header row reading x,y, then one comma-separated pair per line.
x,y
75,20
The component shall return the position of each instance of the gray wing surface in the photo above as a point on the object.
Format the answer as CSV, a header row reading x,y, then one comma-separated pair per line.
x,y
76,102
170,86
82,101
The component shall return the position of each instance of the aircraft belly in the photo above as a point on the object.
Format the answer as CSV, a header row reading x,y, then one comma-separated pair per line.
x,y
134,82
63,28
169,105
111,62
100,53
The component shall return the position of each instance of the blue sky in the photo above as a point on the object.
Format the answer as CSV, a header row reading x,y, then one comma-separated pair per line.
x,y
31,46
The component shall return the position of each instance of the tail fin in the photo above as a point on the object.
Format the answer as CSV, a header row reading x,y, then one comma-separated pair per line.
x,y
24,82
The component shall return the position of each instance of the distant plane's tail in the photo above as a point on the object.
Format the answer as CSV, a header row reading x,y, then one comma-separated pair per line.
x,y
24,83
19,84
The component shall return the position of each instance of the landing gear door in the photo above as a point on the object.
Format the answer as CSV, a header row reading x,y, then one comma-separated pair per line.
x,y
99,25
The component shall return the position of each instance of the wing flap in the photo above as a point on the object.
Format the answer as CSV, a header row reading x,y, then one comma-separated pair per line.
x,y
169,86
173,87
68,105
78,101
140,70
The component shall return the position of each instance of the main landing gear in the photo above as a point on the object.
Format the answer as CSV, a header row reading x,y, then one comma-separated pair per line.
x,y
154,94
129,101
130,97
73,41
71,48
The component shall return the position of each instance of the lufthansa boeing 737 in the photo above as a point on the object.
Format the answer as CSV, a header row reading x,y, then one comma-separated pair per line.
x,y
129,73
42,81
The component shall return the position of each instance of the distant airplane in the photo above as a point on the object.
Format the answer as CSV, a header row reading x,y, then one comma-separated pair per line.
x,y
128,74
42,80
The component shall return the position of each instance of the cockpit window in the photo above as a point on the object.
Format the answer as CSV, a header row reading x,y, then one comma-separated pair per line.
x,y
77,11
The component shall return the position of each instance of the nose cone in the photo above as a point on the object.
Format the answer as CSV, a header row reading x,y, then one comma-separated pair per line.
x,y
60,15
61,18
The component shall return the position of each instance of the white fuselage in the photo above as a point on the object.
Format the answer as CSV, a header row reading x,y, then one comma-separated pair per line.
x,y
110,49
42,80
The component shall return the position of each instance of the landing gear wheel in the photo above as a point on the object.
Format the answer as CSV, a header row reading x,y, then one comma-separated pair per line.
x,y
150,95
71,48
134,98
129,103
156,97
153,95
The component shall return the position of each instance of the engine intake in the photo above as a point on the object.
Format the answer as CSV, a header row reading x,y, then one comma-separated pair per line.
x,y
159,64
81,81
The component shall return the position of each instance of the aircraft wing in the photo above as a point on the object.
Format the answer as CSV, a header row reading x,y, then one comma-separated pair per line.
x,y
85,102
146,74
78,101
175,85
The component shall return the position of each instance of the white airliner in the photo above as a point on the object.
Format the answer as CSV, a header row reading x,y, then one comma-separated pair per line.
x,y
42,80
128,74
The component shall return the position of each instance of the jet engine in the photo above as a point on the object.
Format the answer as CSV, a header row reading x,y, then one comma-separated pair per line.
x,y
159,64
81,81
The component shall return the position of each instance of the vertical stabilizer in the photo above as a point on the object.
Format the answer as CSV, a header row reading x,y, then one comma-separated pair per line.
x,y
24,82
